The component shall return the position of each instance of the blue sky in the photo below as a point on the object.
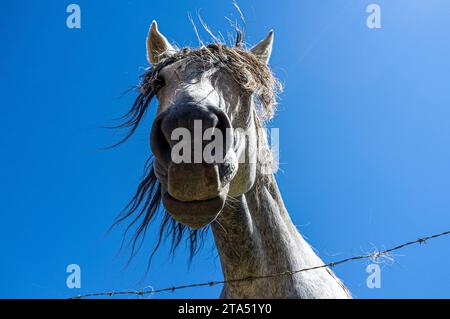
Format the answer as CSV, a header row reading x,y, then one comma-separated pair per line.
x,y
364,131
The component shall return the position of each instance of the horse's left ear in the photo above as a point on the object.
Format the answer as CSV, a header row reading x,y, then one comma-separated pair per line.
x,y
264,48
157,45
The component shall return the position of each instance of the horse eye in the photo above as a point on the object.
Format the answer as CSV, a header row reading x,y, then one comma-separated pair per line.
x,y
158,83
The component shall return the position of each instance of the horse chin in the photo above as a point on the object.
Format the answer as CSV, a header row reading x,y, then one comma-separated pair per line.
x,y
195,214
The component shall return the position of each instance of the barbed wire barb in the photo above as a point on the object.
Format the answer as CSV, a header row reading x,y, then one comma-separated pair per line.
x,y
372,256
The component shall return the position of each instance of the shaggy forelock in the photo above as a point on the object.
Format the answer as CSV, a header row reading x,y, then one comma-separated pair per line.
x,y
250,72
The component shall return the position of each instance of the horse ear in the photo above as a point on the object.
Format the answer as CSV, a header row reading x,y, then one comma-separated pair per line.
x,y
157,45
264,48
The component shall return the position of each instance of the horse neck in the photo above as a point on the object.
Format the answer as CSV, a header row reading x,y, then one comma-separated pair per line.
x,y
255,236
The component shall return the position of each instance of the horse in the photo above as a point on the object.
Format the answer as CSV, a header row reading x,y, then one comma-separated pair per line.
x,y
231,92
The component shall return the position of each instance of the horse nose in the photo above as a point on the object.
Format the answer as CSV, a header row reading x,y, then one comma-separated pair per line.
x,y
187,124
189,118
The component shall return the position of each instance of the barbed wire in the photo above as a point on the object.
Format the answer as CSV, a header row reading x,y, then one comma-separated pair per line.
x,y
372,256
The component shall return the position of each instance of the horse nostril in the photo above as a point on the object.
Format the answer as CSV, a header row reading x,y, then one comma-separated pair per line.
x,y
158,142
224,125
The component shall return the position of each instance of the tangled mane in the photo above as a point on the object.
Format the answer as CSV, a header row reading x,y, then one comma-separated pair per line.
x,y
253,76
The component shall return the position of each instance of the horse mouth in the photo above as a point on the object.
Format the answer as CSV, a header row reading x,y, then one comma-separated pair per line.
x,y
197,213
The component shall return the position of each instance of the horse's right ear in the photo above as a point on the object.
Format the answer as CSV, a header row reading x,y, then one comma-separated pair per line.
x,y
157,45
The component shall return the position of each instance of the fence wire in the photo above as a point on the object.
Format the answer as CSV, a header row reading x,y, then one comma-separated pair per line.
x,y
372,256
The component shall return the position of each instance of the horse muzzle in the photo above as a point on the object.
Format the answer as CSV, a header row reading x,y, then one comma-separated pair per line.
x,y
195,190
